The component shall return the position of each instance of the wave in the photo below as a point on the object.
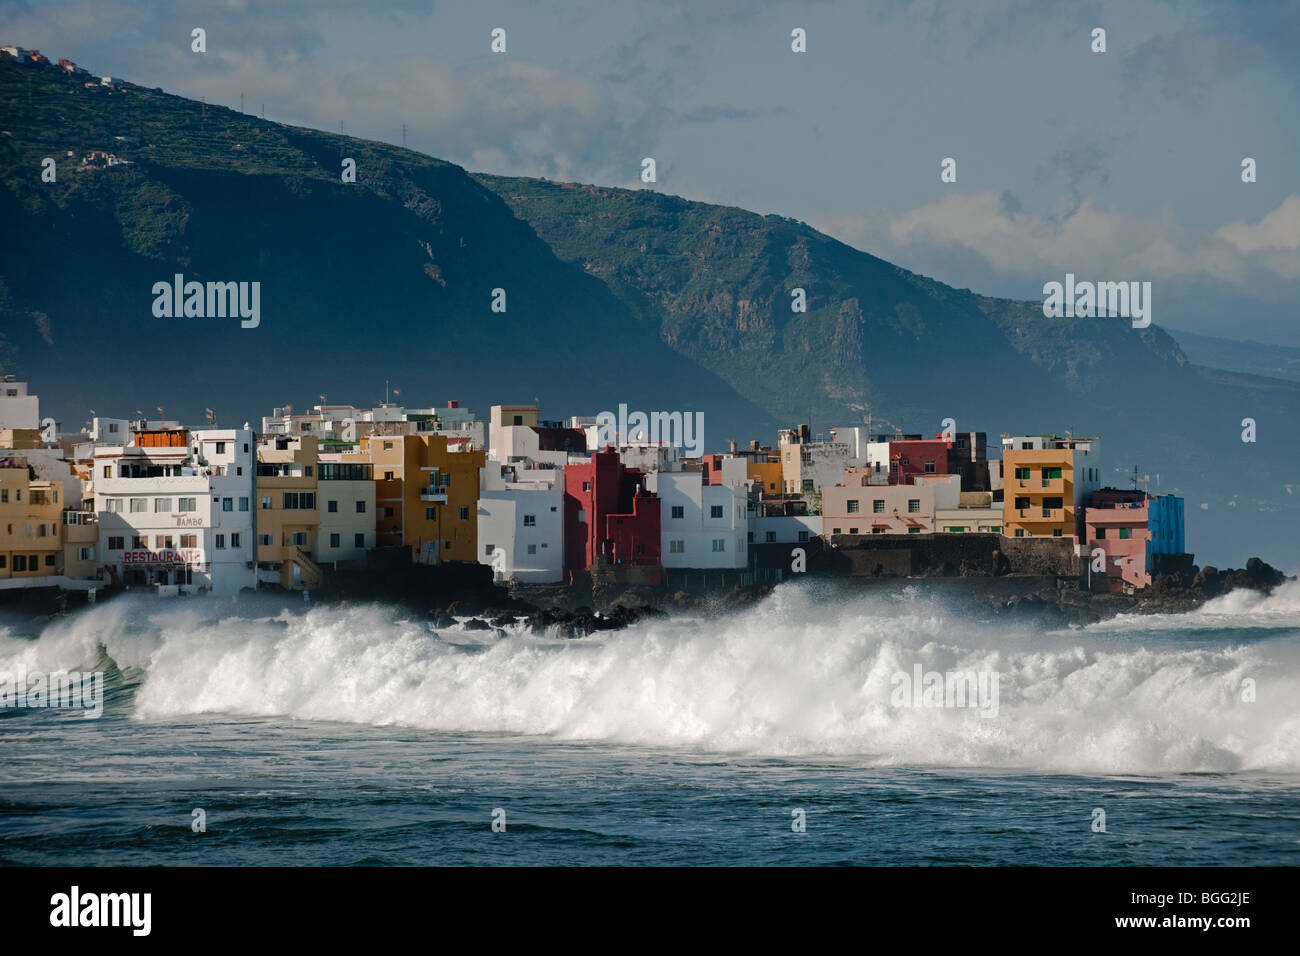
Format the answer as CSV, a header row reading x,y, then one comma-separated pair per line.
x,y
809,670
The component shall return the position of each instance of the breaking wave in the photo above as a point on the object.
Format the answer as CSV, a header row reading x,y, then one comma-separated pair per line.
x,y
807,671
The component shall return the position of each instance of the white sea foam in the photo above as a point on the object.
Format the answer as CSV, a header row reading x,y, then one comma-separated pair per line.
x,y
808,671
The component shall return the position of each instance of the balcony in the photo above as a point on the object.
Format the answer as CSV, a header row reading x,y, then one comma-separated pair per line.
x,y
434,493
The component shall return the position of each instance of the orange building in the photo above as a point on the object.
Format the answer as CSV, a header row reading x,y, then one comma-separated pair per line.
x,y
426,496
1045,485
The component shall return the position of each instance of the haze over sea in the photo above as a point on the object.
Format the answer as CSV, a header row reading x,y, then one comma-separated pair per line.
x,y
360,735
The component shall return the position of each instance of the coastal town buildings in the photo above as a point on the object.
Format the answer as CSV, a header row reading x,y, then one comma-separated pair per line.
x,y
174,509
1046,483
521,522
703,523
611,521
1129,529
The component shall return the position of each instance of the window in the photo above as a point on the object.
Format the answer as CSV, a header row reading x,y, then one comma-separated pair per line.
x,y
243,504
1049,474
162,541
853,506
1125,533
388,446
586,486
265,540
803,536
878,506
679,511
139,541
300,539
361,507
807,484
676,547
1020,532
1022,504
913,530
187,504
334,540
771,537
1056,533
115,543
489,548
388,512
464,514
108,473
162,505
298,500
189,541
4,561
715,511
221,448
227,504
234,540
139,505
220,541
532,549
929,468
1101,532
388,476
83,554
332,507
266,502
49,560
913,505
837,531
306,471
995,528
1022,474
582,515
956,529
430,514
4,496
20,562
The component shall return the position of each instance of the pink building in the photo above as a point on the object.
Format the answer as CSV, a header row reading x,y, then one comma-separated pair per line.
x,y
1117,523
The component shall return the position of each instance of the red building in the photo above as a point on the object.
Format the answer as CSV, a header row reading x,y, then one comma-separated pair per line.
x,y
610,520
907,459
712,469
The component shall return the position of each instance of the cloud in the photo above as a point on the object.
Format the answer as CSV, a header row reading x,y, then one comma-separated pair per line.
x,y
1275,239
1089,240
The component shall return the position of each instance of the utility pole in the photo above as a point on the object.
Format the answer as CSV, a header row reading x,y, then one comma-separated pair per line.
x,y
241,102
403,136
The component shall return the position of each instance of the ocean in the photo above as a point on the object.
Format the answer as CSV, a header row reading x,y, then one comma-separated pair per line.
x,y
803,730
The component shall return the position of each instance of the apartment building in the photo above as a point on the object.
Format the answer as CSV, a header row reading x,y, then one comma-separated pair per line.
x,y
31,533
175,508
426,496
521,522
1046,483
703,523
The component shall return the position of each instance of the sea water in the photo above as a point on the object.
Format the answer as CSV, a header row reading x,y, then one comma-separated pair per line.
x,y
257,732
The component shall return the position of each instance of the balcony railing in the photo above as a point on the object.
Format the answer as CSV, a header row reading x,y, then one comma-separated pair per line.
x,y
433,493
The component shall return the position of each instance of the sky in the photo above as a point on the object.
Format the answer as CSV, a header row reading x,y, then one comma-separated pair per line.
x,y
1116,165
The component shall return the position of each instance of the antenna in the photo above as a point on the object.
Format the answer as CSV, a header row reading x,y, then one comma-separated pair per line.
x,y
403,136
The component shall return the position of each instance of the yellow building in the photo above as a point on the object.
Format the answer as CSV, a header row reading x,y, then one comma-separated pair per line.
x,y
1038,492
31,529
767,475
426,496
287,509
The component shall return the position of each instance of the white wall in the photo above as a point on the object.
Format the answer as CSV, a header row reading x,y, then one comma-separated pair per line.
x,y
697,529
507,497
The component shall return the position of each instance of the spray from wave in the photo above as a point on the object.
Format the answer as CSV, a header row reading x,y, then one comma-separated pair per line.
x,y
808,671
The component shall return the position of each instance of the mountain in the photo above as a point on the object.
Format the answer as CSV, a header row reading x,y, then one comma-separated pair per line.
x,y
1253,358
613,296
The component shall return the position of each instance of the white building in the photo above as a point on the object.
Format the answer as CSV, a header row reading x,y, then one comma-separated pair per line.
x,y
521,522
176,508
784,529
345,496
18,409
702,526
517,436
